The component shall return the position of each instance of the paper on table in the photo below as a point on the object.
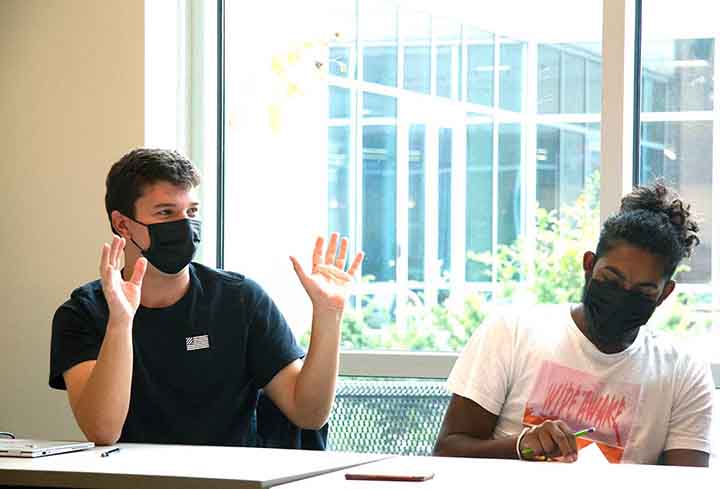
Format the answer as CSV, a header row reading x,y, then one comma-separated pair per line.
x,y
591,454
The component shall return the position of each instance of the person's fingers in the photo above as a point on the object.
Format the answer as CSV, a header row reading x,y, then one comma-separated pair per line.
x,y
334,273
560,438
119,252
546,442
331,249
342,254
139,271
569,434
113,251
356,264
104,261
317,252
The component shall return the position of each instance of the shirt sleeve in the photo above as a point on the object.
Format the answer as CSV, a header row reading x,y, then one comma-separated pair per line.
x,y
74,340
482,372
271,343
691,415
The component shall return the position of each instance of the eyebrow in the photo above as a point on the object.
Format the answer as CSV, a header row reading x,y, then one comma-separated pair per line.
x,y
172,205
622,276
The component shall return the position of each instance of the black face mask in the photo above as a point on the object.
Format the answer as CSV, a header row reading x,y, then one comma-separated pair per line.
x,y
612,312
172,244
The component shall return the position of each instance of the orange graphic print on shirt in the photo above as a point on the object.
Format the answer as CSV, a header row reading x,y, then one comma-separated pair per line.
x,y
583,400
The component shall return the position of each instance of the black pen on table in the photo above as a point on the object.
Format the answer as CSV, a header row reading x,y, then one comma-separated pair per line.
x,y
105,454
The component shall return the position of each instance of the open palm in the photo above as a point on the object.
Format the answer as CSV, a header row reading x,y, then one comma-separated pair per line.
x,y
328,283
122,296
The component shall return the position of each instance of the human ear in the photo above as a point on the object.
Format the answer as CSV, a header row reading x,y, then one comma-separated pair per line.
x,y
119,224
667,290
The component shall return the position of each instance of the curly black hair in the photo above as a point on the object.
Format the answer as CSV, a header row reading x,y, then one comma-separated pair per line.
x,y
654,218
129,176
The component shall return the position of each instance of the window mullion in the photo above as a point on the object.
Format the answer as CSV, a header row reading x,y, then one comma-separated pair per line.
x,y
617,131
530,153
495,154
715,223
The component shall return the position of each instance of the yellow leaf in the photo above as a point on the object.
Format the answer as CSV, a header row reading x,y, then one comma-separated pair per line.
x,y
275,117
293,57
277,65
293,89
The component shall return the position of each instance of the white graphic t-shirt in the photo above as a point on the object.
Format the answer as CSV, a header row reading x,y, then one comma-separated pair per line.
x,y
537,365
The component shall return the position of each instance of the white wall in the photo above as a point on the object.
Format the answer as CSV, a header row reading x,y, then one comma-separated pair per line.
x,y
71,103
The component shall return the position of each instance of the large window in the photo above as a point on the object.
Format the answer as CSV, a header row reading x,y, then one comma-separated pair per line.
x,y
467,141
458,145
679,120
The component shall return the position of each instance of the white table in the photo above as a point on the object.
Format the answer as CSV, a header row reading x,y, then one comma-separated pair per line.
x,y
139,466
459,473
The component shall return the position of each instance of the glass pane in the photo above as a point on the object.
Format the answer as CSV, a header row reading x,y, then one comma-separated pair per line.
x,y
594,80
568,163
548,76
479,220
444,198
339,102
512,76
417,69
416,30
378,36
379,211
569,78
448,35
339,61
380,65
448,58
480,56
677,74
573,83
548,167
678,153
375,105
341,16
416,204
509,183
339,180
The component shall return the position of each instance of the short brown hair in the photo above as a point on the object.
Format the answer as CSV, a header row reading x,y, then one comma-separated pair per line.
x,y
141,167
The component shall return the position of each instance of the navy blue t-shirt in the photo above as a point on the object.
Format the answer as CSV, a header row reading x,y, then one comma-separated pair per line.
x,y
197,365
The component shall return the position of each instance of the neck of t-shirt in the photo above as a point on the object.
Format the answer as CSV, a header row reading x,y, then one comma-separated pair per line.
x,y
160,290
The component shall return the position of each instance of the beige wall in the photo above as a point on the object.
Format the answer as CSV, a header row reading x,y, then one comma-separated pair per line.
x,y
71,102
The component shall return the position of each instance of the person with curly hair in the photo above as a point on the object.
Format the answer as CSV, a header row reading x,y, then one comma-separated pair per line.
x,y
550,381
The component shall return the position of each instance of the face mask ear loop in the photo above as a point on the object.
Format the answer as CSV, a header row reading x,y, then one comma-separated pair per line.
x,y
131,239
138,246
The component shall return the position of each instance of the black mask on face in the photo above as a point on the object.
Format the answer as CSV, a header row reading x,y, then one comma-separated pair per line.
x,y
611,311
172,244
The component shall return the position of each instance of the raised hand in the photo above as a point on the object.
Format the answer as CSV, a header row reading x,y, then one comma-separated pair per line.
x,y
328,283
123,297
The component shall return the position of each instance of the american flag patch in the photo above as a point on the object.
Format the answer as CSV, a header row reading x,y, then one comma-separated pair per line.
x,y
197,342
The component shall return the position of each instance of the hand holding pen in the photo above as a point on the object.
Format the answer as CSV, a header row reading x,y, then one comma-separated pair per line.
x,y
551,439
